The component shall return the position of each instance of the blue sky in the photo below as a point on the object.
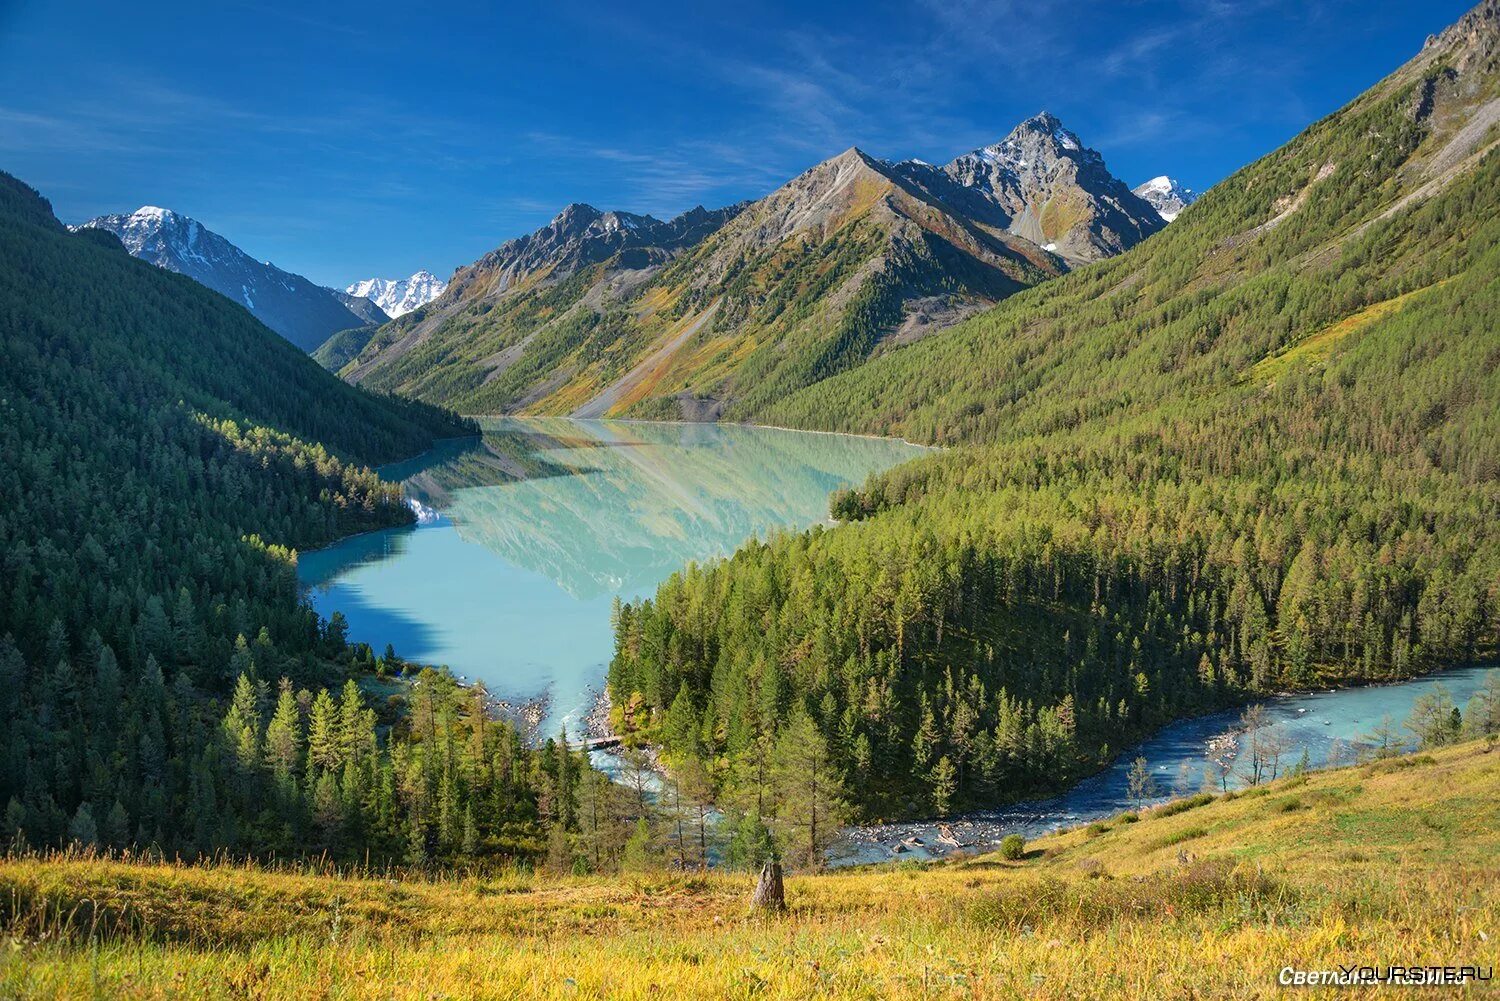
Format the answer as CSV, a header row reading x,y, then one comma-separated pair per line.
x,y
343,141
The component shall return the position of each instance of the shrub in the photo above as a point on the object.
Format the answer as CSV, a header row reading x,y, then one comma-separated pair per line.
x,y
1178,837
1209,887
1180,805
1013,846
1092,868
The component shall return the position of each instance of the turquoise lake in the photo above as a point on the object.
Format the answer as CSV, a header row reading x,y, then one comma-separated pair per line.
x,y
527,535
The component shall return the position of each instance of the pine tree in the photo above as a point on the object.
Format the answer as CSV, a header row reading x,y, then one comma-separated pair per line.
x,y
470,847
1482,713
327,806
1140,783
640,850
82,832
810,792
944,783
924,744
284,737
1434,719
242,723
351,723
323,751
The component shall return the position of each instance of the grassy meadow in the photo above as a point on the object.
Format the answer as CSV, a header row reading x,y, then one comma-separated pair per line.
x,y
1393,862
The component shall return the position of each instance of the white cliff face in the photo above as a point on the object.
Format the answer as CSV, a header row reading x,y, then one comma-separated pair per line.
x,y
1167,196
302,311
400,295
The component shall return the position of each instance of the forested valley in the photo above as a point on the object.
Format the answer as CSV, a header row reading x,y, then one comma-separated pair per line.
x,y
166,689
1257,452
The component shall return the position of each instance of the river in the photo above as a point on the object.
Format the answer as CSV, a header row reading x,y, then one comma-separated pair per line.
x,y
1328,725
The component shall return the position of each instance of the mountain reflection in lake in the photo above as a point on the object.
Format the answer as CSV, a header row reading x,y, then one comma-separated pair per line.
x,y
534,529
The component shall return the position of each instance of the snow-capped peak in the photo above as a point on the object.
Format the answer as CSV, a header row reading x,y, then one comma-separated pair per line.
x,y
1166,195
302,312
400,295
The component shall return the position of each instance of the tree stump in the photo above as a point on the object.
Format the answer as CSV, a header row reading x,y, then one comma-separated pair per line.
x,y
770,893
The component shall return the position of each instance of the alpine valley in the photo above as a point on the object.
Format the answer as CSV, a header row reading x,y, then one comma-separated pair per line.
x,y
958,491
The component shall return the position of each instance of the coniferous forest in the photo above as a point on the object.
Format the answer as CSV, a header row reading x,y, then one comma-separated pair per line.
x,y
165,687
1258,452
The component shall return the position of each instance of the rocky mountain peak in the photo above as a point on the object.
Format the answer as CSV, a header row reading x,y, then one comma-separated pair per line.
x,y
1166,195
1048,128
1043,184
581,235
1034,148
1473,39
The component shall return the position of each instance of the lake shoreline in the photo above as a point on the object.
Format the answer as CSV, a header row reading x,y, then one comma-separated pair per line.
x,y
723,424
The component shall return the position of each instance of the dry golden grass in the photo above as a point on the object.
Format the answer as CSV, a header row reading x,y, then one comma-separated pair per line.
x,y
1386,864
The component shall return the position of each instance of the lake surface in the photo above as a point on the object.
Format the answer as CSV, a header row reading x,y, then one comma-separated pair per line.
x,y
526,536
1328,725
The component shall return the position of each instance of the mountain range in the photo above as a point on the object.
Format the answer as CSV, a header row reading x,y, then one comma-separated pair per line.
x,y
302,311
717,312
399,296
1255,452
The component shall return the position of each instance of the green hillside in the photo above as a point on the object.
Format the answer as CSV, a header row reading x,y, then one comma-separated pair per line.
x,y
336,352
1257,451
163,456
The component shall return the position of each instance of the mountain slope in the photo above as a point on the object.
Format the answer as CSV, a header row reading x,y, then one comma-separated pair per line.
x,y
1290,219
362,307
297,309
543,291
344,346
1255,452
718,313
399,296
163,454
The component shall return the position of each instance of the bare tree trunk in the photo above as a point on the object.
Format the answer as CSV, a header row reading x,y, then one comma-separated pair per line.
x,y
702,838
770,894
